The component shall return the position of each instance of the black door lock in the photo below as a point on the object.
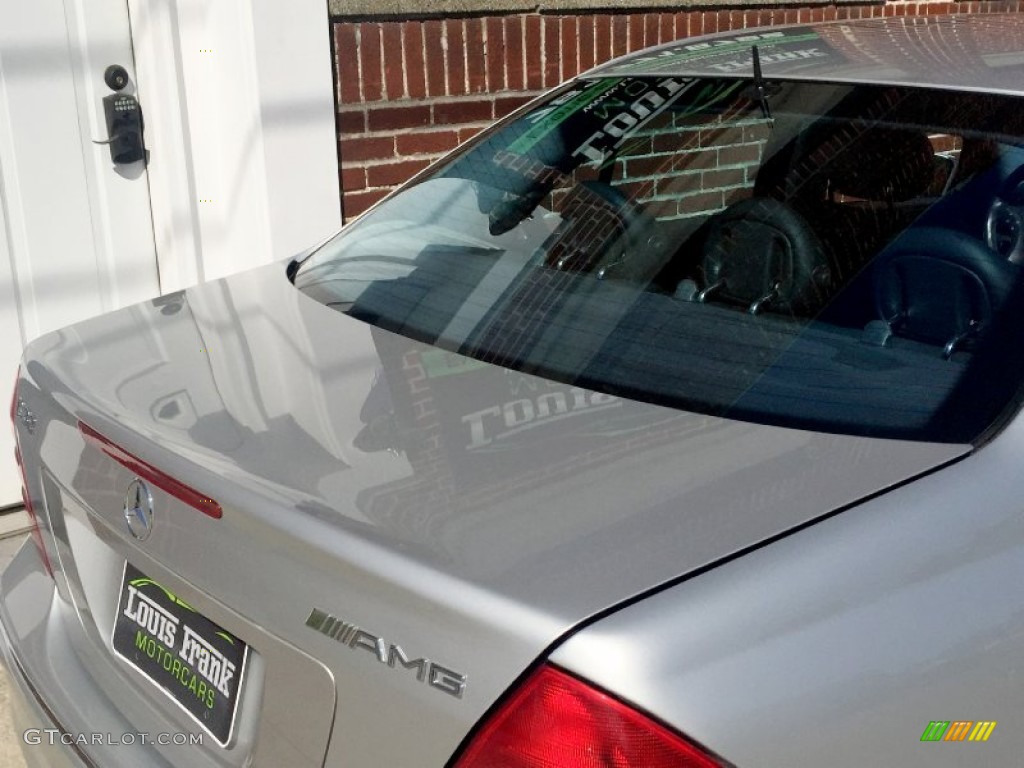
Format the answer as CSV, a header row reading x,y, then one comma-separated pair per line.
x,y
124,120
116,77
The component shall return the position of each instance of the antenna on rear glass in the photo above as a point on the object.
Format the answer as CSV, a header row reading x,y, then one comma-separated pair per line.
x,y
760,87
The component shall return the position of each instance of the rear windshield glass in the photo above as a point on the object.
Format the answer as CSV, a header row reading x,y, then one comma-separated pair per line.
x,y
839,258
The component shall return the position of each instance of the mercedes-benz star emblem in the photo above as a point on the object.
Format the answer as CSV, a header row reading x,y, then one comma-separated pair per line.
x,y
138,510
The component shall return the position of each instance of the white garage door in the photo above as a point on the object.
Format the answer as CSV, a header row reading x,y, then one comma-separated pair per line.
x,y
76,236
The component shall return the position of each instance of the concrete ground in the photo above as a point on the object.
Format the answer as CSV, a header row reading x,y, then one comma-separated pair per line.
x,y
12,535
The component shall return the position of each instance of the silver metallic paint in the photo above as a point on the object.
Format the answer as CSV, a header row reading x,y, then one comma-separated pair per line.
x,y
836,646
252,393
480,559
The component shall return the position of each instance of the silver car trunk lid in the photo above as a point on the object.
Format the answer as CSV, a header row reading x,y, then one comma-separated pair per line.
x,y
423,525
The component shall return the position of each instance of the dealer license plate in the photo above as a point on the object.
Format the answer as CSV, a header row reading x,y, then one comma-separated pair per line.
x,y
191,659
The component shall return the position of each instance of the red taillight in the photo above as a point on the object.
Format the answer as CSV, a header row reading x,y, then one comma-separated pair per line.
x,y
555,720
26,497
161,480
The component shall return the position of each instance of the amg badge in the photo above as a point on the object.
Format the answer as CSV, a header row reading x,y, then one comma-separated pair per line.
x,y
427,671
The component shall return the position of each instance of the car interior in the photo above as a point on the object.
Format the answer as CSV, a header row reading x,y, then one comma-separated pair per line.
x,y
848,263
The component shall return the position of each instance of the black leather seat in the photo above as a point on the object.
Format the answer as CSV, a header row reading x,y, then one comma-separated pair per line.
x,y
939,287
760,254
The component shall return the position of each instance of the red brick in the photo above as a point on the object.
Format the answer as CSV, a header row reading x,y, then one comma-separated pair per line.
x,y
728,177
791,16
759,132
736,20
353,178
620,35
354,203
750,19
650,29
371,148
552,51
636,32
817,14
648,166
804,16
507,104
634,190
351,121
701,160
476,56
724,21
394,68
426,143
570,47
706,201
586,42
676,184
666,27
830,13
602,38
672,142
465,134
415,65
743,154
370,71
514,53
712,136
464,111
391,174
495,54
456,57
661,208
346,51
696,25
642,145
710,22
392,118
534,78
682,25
433,34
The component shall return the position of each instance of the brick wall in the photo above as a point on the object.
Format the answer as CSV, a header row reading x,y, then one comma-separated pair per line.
x,y
410,90
685,170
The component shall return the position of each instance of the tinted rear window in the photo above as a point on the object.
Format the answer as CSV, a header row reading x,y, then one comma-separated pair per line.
x,y
837,258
